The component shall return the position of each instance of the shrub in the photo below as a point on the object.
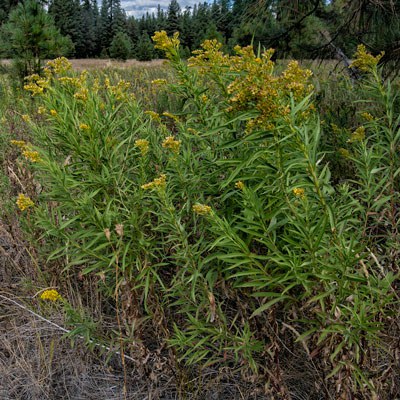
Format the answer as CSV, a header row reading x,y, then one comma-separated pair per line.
x,y
221,222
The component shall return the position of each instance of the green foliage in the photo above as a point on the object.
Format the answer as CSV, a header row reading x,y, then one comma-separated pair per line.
x,y
121,47
144,50
218,223
30,36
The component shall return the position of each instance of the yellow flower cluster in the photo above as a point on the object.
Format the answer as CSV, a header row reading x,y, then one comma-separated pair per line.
x,y
239,185
24,202
82,94
51,295
84,127
31,155
26,117
299,192
367,116
41,110
59,65
53,112
153,115
201,209
171,144
157,183
358,135
142,145
365,61
19,143
169,44
170,115
36,84
159,82
344,152
251,82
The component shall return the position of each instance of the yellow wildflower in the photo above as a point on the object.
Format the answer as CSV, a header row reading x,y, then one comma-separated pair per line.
x,y
358,135
142,145
299,192
365,61
170,115
367,116
26,117
41,110
31,155
153,115
24,202
159,82
239,185
19,143
201,209
84,127
51,295
344,152
156,183
172,144
82,94
169,44
58,66
53,112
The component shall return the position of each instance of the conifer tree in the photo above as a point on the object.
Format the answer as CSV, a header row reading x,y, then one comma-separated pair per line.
x,y
30,36
173,17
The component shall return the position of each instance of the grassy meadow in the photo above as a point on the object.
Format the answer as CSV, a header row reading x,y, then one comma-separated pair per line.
x,y
225,227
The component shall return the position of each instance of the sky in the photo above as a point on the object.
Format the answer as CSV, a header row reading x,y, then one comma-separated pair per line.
x,y
139,7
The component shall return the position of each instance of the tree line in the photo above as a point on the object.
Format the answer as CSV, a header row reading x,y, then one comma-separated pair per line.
x,y
295,28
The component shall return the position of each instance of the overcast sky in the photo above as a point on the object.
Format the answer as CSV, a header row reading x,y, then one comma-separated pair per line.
x,y
140,7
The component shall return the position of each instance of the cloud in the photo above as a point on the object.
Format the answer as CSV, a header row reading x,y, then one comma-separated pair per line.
x,y
137,8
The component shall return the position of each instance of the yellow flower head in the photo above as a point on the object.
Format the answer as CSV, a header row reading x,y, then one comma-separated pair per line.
x,y
157,183
24,202
84,127
31,155
159,82
153,115
367,116
26,117
82,94
53,112
358,135
201,209
51,295
172,144
142,145
239,185
19,143
299,192
41,110
170,115
59,65
163,42
365,61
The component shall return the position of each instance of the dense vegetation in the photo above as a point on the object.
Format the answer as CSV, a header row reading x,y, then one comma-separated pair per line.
x,y
225,220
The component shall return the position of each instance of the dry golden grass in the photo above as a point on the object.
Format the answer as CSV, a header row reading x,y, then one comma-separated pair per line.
x,y
97,63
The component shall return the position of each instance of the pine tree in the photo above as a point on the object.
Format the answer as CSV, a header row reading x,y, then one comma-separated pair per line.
x,y
173,17
121,47
30,36
144,50
66,15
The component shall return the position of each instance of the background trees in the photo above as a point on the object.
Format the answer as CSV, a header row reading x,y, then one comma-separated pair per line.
x,y
295,28
30,35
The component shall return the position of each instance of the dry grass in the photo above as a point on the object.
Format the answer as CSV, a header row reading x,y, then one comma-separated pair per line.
x,y
97,63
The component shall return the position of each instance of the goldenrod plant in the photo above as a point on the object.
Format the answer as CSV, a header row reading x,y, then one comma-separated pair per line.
x,y
218,225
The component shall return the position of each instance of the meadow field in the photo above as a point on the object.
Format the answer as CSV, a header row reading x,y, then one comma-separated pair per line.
x,y
222,228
